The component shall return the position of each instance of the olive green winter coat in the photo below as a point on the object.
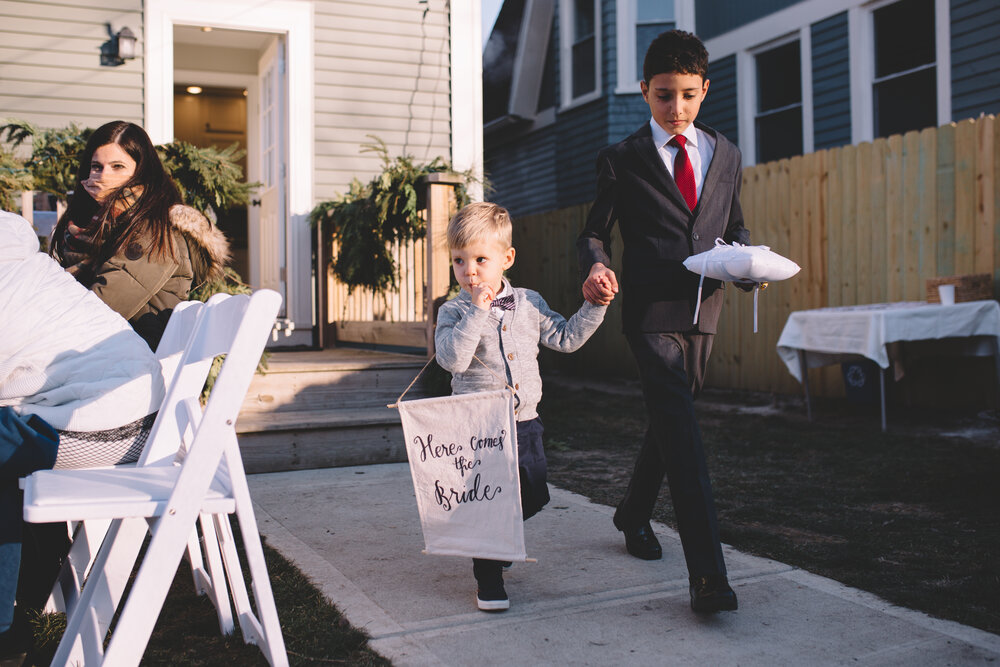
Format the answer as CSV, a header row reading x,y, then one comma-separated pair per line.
x,y
144,289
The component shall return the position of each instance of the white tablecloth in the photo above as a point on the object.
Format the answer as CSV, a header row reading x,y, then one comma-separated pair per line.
x,y
832,335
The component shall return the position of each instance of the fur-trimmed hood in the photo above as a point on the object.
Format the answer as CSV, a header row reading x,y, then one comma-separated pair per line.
x,y
208,245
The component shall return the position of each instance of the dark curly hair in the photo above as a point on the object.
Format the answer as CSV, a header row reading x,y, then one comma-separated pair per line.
x,y
675,51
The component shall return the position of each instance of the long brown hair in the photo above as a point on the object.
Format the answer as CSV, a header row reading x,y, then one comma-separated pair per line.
x,y
146,221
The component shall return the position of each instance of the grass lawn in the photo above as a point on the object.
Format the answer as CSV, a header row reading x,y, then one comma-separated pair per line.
x,y
187,631
912,515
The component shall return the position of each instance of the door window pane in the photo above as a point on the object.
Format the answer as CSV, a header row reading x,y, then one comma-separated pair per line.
x,y
652,17
906,103
904,36
779,103
904,92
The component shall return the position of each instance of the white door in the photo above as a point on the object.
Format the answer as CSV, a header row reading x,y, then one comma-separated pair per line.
x,y
267,237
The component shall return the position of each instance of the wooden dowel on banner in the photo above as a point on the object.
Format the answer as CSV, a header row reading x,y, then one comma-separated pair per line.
x,y
526,560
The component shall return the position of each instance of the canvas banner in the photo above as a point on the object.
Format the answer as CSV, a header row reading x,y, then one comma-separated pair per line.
x,y
463,458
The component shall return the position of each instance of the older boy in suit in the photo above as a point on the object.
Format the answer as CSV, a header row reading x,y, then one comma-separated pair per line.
x,y
673,187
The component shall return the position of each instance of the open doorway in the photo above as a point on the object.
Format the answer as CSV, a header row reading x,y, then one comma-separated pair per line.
x,y
228,89
266,48
216,116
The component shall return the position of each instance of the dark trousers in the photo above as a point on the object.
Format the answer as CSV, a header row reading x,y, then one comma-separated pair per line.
x,y
532,471
26,445
672,370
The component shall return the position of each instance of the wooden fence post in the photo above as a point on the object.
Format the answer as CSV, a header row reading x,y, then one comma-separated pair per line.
x,y
440,206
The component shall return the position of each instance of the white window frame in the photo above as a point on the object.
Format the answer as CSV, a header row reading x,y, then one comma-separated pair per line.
x,y
861,22
800,17
465,19
626,11
566,22
746,77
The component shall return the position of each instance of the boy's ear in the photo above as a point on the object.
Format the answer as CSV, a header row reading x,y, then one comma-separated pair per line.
x,y
704,88
508,258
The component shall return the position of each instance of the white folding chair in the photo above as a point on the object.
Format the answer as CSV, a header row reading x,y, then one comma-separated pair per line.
x,y
170,496
88,535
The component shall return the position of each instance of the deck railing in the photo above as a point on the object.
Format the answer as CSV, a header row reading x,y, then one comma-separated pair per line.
x,y
403,317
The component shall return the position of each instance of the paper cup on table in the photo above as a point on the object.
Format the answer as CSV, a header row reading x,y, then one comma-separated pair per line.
x,y
947,295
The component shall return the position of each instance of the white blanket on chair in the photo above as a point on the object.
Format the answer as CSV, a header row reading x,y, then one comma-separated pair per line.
x,y
65,355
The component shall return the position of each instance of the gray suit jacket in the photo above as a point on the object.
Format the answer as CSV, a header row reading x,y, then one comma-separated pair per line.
x,y
659,232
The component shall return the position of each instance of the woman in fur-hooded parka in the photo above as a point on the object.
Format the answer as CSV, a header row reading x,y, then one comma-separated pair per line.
x,y
126,236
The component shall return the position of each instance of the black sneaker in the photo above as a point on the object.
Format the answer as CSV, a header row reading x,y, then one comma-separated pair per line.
x,y
493,600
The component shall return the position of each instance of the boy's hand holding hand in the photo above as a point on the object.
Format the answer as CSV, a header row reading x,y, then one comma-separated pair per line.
x,y
600,286
482,296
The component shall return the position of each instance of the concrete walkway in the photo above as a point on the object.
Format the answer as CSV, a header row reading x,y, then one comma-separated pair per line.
x,y
355,533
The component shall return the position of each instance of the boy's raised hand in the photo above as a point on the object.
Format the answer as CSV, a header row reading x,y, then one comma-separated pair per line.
x,y
600,286
482,296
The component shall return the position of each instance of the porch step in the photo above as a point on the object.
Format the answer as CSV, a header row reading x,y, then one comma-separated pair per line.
x,y
320,409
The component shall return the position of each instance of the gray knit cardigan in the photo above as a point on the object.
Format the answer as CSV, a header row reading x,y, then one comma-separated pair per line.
x,y
508,346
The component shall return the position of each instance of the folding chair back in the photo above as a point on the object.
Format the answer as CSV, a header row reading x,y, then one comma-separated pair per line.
x,y
173,496
87,536
186,365
180,326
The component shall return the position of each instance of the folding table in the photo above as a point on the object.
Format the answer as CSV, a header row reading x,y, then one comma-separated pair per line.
x,y
813,338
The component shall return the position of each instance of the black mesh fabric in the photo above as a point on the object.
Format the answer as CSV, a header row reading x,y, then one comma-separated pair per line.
x,y
90,449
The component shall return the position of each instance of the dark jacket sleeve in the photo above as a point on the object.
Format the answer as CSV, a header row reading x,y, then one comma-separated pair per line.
x,y
594,243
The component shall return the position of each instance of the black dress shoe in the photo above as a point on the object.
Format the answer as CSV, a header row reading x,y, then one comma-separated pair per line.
x,y
712,593
640,541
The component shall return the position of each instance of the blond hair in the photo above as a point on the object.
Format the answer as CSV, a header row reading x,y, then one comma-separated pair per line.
x,y
481,221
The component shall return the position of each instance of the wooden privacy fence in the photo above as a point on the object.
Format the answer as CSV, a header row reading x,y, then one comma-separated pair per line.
x,y
867,224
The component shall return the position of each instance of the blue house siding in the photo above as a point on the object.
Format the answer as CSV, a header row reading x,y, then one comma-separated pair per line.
x,y
975,58
720,106
831,83
714,17
523,173
582,132
626,114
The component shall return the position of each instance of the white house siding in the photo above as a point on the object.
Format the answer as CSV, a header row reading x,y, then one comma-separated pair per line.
x,y
382,68
50,62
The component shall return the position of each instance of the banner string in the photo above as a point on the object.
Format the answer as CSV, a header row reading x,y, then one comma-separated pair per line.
x,y
433,356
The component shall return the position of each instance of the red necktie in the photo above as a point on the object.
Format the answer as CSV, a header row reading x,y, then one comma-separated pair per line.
x,y
683,173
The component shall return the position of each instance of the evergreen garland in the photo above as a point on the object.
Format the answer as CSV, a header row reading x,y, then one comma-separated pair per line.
x,y
370,217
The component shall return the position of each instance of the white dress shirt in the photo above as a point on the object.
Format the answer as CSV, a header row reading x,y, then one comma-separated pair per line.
x,y
700,149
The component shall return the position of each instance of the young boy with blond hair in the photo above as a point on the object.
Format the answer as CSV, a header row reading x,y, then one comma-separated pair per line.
x,y
502,326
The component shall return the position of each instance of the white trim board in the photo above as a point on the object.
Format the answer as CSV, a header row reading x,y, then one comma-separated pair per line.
x,y
294,20
467,92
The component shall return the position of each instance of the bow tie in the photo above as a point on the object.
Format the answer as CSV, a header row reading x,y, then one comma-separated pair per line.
x,y
504,302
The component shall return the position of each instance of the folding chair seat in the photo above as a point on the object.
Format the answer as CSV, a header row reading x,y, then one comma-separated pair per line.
x,y
206,479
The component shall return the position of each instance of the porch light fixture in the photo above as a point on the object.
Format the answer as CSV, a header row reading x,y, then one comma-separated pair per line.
x,y
124,45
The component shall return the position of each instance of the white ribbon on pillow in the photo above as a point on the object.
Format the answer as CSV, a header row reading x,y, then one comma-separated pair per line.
x,y
738,262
